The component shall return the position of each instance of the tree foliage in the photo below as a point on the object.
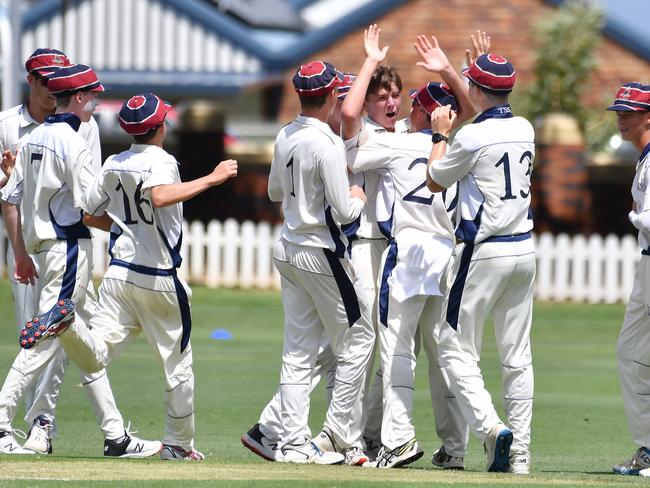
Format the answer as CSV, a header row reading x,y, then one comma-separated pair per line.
x,y
563,61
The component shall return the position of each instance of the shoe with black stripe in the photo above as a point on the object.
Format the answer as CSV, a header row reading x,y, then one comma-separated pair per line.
x,y
407,453
129,446
47,325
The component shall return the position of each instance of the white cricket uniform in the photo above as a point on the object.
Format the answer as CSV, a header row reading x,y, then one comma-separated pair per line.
x,y
319,290
633,347
494,269
412,285
37,373
141,291
367,243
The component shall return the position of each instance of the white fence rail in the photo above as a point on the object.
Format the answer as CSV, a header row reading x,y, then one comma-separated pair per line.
x,y
590,269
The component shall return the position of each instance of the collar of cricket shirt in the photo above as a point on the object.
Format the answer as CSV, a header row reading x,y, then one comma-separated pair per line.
x,y
71,119
498,112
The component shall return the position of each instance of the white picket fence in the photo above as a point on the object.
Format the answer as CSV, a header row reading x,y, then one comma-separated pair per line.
x,y
590,269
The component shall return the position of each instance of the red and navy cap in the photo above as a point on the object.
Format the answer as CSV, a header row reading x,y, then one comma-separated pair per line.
x,y
632,97
434,95
315,79
492,72
141,113
71,79
45,61
346,82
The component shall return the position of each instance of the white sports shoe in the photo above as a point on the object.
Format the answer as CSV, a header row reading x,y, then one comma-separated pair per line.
x,y
444,460
325,441
39,439
178,453
9,444
309,453
519,463
129,446
354,456
497,448
407,453
255,441
639,462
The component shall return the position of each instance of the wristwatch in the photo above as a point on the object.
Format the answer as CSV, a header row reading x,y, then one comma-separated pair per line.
x,y
437,137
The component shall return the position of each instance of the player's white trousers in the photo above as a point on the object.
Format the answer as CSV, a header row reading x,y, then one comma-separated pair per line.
x,y
40,395
398,360
633,356
486,282
365,256
271,418
64,268
319,293
150,306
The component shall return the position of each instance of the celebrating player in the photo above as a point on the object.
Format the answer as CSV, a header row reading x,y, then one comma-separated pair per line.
x,y
632,107
413,266
308,175
53,168
137,196
494,272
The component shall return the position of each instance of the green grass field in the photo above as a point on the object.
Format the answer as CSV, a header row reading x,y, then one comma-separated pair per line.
x,y
579,428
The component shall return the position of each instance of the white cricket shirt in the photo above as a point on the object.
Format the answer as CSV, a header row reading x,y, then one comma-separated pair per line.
x,y
309,176
53,169
492,161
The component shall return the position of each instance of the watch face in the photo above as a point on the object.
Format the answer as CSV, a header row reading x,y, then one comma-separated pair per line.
x,y
438,137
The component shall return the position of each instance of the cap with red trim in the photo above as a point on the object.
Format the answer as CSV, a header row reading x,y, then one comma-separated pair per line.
x,y
45,61
141,113
346,82
316,79
434,95
632,97
71,79
492,72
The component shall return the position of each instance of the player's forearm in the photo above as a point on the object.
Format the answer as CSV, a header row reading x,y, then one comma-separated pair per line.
x,y
165,195
465,108
352,108
437,153
640,220
11,217
102,222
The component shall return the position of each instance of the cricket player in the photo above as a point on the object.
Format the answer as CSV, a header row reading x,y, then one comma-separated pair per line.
x,y
53,253
377,91
420,242
491,160
16,124
264,437
632,107
319,291
137,196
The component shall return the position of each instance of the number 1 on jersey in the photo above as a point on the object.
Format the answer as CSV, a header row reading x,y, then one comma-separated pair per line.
x,y
293,189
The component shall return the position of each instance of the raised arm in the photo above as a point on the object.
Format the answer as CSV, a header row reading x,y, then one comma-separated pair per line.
x,y
165,195
481,44
434,60
442,121
352,108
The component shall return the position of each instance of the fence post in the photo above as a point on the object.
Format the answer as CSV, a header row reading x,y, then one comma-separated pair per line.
x,y
213,244
230,253
247,255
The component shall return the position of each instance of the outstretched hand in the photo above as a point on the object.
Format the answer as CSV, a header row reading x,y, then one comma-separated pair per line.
x,y
371,44
433,58
224,170
481,44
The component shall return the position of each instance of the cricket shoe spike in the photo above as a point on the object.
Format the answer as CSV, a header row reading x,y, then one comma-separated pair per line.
x,y
47,325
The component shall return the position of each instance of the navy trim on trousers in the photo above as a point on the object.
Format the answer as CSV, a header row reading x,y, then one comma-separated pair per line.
x,y
645,252
345,286
456,293
70,273
384,289
181,294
